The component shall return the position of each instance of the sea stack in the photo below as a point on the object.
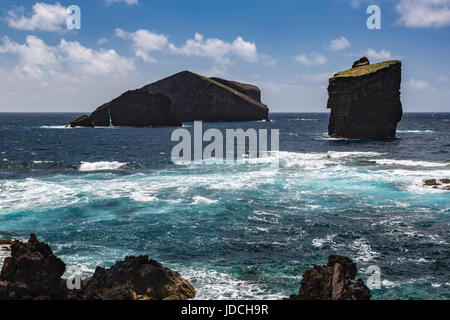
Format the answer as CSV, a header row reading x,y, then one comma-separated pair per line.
x,y
196,97
183,97
365,101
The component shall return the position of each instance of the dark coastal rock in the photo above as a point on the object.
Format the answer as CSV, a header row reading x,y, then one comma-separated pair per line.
x,y
361,62
431,182
6,241
83,121
196,97
183,97
443,184
137,108
245,88
32,272
365,101
137,278
334,281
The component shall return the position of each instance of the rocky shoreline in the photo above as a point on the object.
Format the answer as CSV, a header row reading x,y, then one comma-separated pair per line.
x,y
442,184
33,272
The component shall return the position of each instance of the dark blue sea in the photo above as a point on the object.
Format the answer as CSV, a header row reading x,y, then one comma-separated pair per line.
x,y
235,230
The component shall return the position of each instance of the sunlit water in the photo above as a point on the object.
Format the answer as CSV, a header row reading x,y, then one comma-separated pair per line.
x,y
240,231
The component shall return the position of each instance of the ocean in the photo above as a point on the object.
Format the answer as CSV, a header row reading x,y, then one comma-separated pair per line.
x,y
235,230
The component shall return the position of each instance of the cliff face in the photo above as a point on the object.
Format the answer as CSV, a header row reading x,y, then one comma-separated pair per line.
x,y
196,97
183,97
136,108
365,101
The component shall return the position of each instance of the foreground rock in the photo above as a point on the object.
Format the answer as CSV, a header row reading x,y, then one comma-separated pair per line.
x,y
334,281
33,272
183,97
443,184
365,101
137,278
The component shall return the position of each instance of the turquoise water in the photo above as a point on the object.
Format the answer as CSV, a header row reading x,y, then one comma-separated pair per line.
x,y
241,231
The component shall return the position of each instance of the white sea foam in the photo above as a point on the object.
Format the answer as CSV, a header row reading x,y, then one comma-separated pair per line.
x,y
214,285
202,200
141,196
415,131
319,242
55,127
411,163
101,166
364,252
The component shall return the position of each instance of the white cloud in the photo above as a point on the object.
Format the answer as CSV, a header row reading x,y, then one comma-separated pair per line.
x,y
416,84
45,17
37,60
128,2
35,57
102,41
311,59
424,13
443,79
245,50
339,44
94,62
145,42
218,50
268,60
378,55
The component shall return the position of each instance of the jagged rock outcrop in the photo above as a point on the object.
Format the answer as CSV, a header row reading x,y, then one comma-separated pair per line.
x,y
83,121
334,281
365,101
364,61
32,272
443,184
183,97
137,278
196,97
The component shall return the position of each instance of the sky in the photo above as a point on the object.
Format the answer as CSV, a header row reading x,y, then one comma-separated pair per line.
x,y
288,48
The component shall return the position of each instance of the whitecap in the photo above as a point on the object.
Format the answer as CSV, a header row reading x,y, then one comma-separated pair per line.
x,y
203,200
416,131
101,166
410,163
143,197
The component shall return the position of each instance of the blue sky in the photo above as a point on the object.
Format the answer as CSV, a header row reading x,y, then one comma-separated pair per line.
x,y
288,48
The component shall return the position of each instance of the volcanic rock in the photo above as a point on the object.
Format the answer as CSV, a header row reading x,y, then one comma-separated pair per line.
x,y
334,281
365,101
196,97
183,97
245,88
32,272
137,108
137,278
361,62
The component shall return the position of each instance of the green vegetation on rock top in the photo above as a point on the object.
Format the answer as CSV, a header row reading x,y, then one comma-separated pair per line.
x,y
360,71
